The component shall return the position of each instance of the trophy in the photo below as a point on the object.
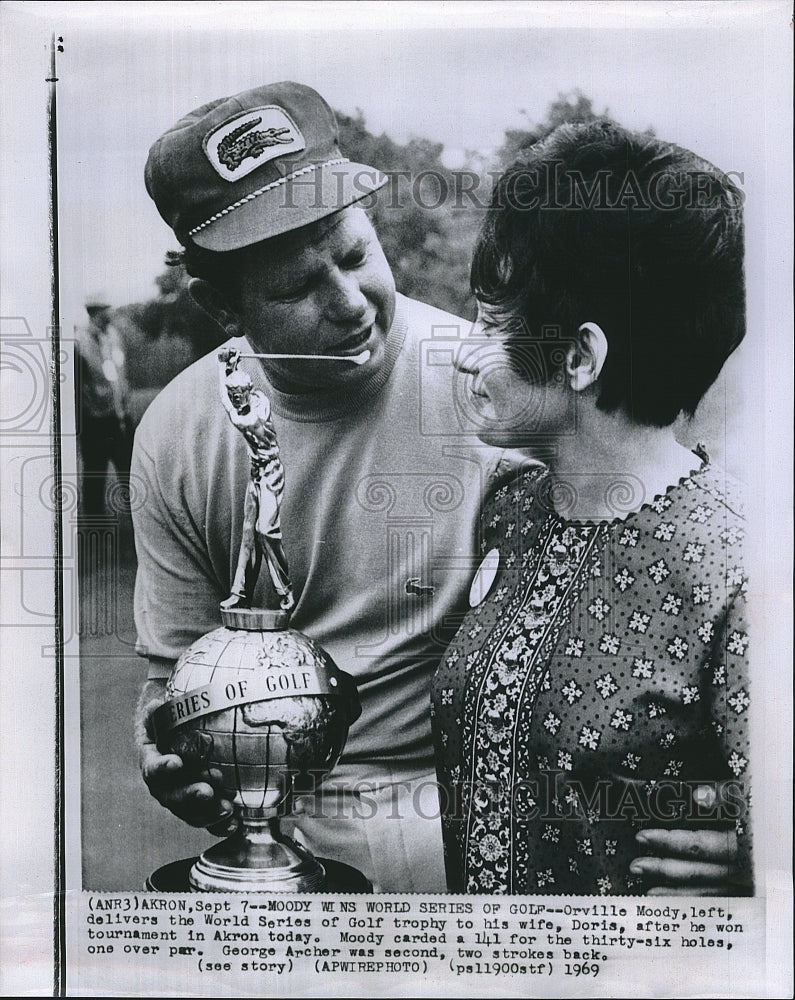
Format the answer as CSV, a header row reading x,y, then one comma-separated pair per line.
x,y
261,702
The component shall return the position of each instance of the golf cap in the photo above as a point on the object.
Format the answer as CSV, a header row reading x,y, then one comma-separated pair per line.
x,y
245,168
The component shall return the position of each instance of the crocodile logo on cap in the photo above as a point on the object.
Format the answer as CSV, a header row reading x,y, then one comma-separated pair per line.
x,y
239,146
240,143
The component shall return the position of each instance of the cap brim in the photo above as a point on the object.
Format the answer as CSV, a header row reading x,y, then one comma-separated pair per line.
x,y
297,202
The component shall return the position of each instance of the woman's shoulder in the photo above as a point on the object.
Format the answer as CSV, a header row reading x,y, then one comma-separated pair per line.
x,y
689,542
515,496
515,476
721,488
710,495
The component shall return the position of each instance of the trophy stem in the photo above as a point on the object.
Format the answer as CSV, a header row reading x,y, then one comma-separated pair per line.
x,y
258,858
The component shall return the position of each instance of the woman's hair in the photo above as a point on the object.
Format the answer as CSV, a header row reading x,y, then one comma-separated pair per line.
x,y
598,224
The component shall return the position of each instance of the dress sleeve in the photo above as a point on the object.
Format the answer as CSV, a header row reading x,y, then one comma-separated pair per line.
x,y
729,718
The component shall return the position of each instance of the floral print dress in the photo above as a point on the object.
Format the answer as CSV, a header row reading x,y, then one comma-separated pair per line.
x,y
599,687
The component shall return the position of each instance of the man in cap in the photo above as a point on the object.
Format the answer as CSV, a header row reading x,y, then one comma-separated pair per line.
x,y
382,489
282,253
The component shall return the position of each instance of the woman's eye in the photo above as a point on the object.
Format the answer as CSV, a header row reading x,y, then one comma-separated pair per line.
x,y
491,328
508,326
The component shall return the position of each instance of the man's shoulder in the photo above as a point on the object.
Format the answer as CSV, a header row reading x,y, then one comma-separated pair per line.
x,y
431,342
424,318
189,401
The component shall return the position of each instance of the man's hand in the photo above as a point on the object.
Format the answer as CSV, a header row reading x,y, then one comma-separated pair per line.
x,y
690,863
192,794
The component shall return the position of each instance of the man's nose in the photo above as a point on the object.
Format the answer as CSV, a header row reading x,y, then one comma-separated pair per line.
x,y
346,302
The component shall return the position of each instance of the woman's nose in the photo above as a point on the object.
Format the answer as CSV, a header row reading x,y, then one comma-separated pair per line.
x,y
464,360
466,355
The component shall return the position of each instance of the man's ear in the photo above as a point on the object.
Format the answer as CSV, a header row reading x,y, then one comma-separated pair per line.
x,y
586,357
214,303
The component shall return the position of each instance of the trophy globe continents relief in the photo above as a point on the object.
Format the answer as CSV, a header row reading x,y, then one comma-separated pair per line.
x,y
260,702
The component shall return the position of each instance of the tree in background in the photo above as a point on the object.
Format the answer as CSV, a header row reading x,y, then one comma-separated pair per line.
x,y
572,107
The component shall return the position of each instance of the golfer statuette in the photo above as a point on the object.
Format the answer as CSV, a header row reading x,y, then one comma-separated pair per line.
x,y
250,412
258,701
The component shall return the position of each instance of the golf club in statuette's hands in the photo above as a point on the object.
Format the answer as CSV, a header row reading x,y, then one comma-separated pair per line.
x,y
260,702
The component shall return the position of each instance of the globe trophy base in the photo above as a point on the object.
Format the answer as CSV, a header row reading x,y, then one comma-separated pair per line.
x,y
340,878
258,859
268,708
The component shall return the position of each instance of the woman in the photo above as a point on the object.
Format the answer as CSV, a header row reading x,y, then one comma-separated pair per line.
x,y
599,686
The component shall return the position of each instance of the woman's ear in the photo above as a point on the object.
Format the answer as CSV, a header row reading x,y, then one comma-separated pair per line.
x,y
214,303
585,358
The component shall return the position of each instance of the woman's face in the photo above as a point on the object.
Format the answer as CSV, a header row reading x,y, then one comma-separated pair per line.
x,y
507,408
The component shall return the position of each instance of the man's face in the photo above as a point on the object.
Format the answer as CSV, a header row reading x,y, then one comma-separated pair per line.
x,y
325,289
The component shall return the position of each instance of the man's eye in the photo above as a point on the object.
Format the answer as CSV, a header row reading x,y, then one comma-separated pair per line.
x,y
355,259
293,295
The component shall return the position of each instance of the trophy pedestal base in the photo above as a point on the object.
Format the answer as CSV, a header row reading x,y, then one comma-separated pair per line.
x,y
340,878
257,859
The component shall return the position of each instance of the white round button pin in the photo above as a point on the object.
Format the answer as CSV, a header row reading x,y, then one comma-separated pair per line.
x,y
484,578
